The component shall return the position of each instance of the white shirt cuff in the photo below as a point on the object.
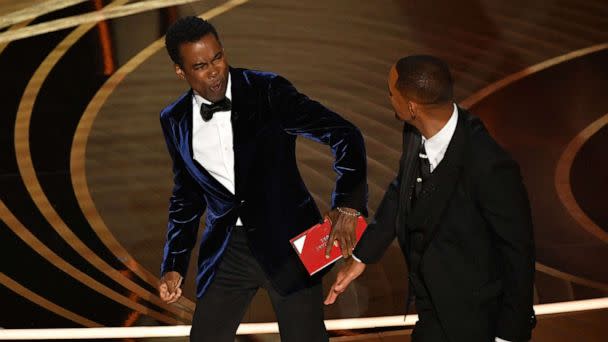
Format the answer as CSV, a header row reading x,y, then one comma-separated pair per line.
x,y
356,259
498,339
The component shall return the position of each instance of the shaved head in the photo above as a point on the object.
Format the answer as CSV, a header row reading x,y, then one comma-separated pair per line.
x,y
424,79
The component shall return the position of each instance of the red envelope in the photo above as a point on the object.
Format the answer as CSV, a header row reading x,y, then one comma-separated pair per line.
x,y
311,244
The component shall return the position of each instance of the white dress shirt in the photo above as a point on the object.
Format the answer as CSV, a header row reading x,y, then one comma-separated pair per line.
x,y
212,142
436,145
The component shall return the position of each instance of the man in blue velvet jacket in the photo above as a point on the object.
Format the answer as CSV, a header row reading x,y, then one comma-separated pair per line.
x,y
232,141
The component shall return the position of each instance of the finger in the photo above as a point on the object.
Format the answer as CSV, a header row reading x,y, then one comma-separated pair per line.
x,y
335,218
164,295
344,247
339,235
167,298
348,245
353,234
170,289
178,294
327,218
174,285
331,296
162,291
330,244
341,285
338,289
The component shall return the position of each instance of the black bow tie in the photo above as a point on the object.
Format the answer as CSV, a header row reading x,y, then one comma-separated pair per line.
x,y
207,110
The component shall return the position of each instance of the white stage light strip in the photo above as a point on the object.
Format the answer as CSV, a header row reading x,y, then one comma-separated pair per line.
x,y
573,306
264,328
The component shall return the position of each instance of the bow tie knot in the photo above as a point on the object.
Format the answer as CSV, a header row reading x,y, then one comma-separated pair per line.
x,y
207,110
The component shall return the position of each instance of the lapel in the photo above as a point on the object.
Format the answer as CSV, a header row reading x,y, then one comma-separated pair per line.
x,y
243,121
411,143
437,190
182,117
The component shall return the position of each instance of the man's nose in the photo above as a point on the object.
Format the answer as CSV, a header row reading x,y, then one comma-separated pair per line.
x,y
213,71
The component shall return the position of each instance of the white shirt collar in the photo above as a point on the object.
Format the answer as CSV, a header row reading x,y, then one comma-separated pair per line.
x,y
199,99
437,145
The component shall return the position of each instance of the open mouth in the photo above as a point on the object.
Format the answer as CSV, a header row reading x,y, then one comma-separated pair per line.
x,y
216,87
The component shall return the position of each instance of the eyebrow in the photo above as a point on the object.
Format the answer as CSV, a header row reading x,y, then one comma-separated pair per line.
x,y
199,64
203,63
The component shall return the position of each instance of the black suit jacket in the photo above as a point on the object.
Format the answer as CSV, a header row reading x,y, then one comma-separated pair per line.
x,y
268,113
478,251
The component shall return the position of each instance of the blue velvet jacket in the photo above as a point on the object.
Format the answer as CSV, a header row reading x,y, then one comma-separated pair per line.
x,y
268,113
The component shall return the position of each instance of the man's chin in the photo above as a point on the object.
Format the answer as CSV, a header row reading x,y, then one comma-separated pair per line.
x,y
215,96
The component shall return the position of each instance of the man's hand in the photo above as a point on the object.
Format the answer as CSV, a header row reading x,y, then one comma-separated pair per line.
x,y
351,270
343,224
169,287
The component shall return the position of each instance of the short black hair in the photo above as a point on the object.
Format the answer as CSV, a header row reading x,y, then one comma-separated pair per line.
x,y
186,30
425,79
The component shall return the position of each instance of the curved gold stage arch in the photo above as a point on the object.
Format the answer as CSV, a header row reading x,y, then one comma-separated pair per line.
x,y
30,179
88,207
562,179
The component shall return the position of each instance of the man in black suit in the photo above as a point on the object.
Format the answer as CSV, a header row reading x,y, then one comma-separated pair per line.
x,y
232,141
460,212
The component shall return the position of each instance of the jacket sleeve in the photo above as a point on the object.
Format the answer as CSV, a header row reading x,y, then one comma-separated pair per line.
x,y
381,230
186,207
302,116
504,205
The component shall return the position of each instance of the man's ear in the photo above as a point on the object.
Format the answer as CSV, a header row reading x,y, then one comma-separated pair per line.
x,y
180,72
411,106
414,109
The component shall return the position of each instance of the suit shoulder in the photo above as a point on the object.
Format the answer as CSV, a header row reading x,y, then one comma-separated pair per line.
x,y
256,74
176,106
485,150
256,78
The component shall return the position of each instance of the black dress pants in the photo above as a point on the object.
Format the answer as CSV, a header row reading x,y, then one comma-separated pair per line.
x,y
238,277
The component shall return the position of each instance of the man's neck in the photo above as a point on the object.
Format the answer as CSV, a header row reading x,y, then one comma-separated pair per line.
x,y
433,119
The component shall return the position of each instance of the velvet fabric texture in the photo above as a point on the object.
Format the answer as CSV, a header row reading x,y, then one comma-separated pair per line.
x,y
268,113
